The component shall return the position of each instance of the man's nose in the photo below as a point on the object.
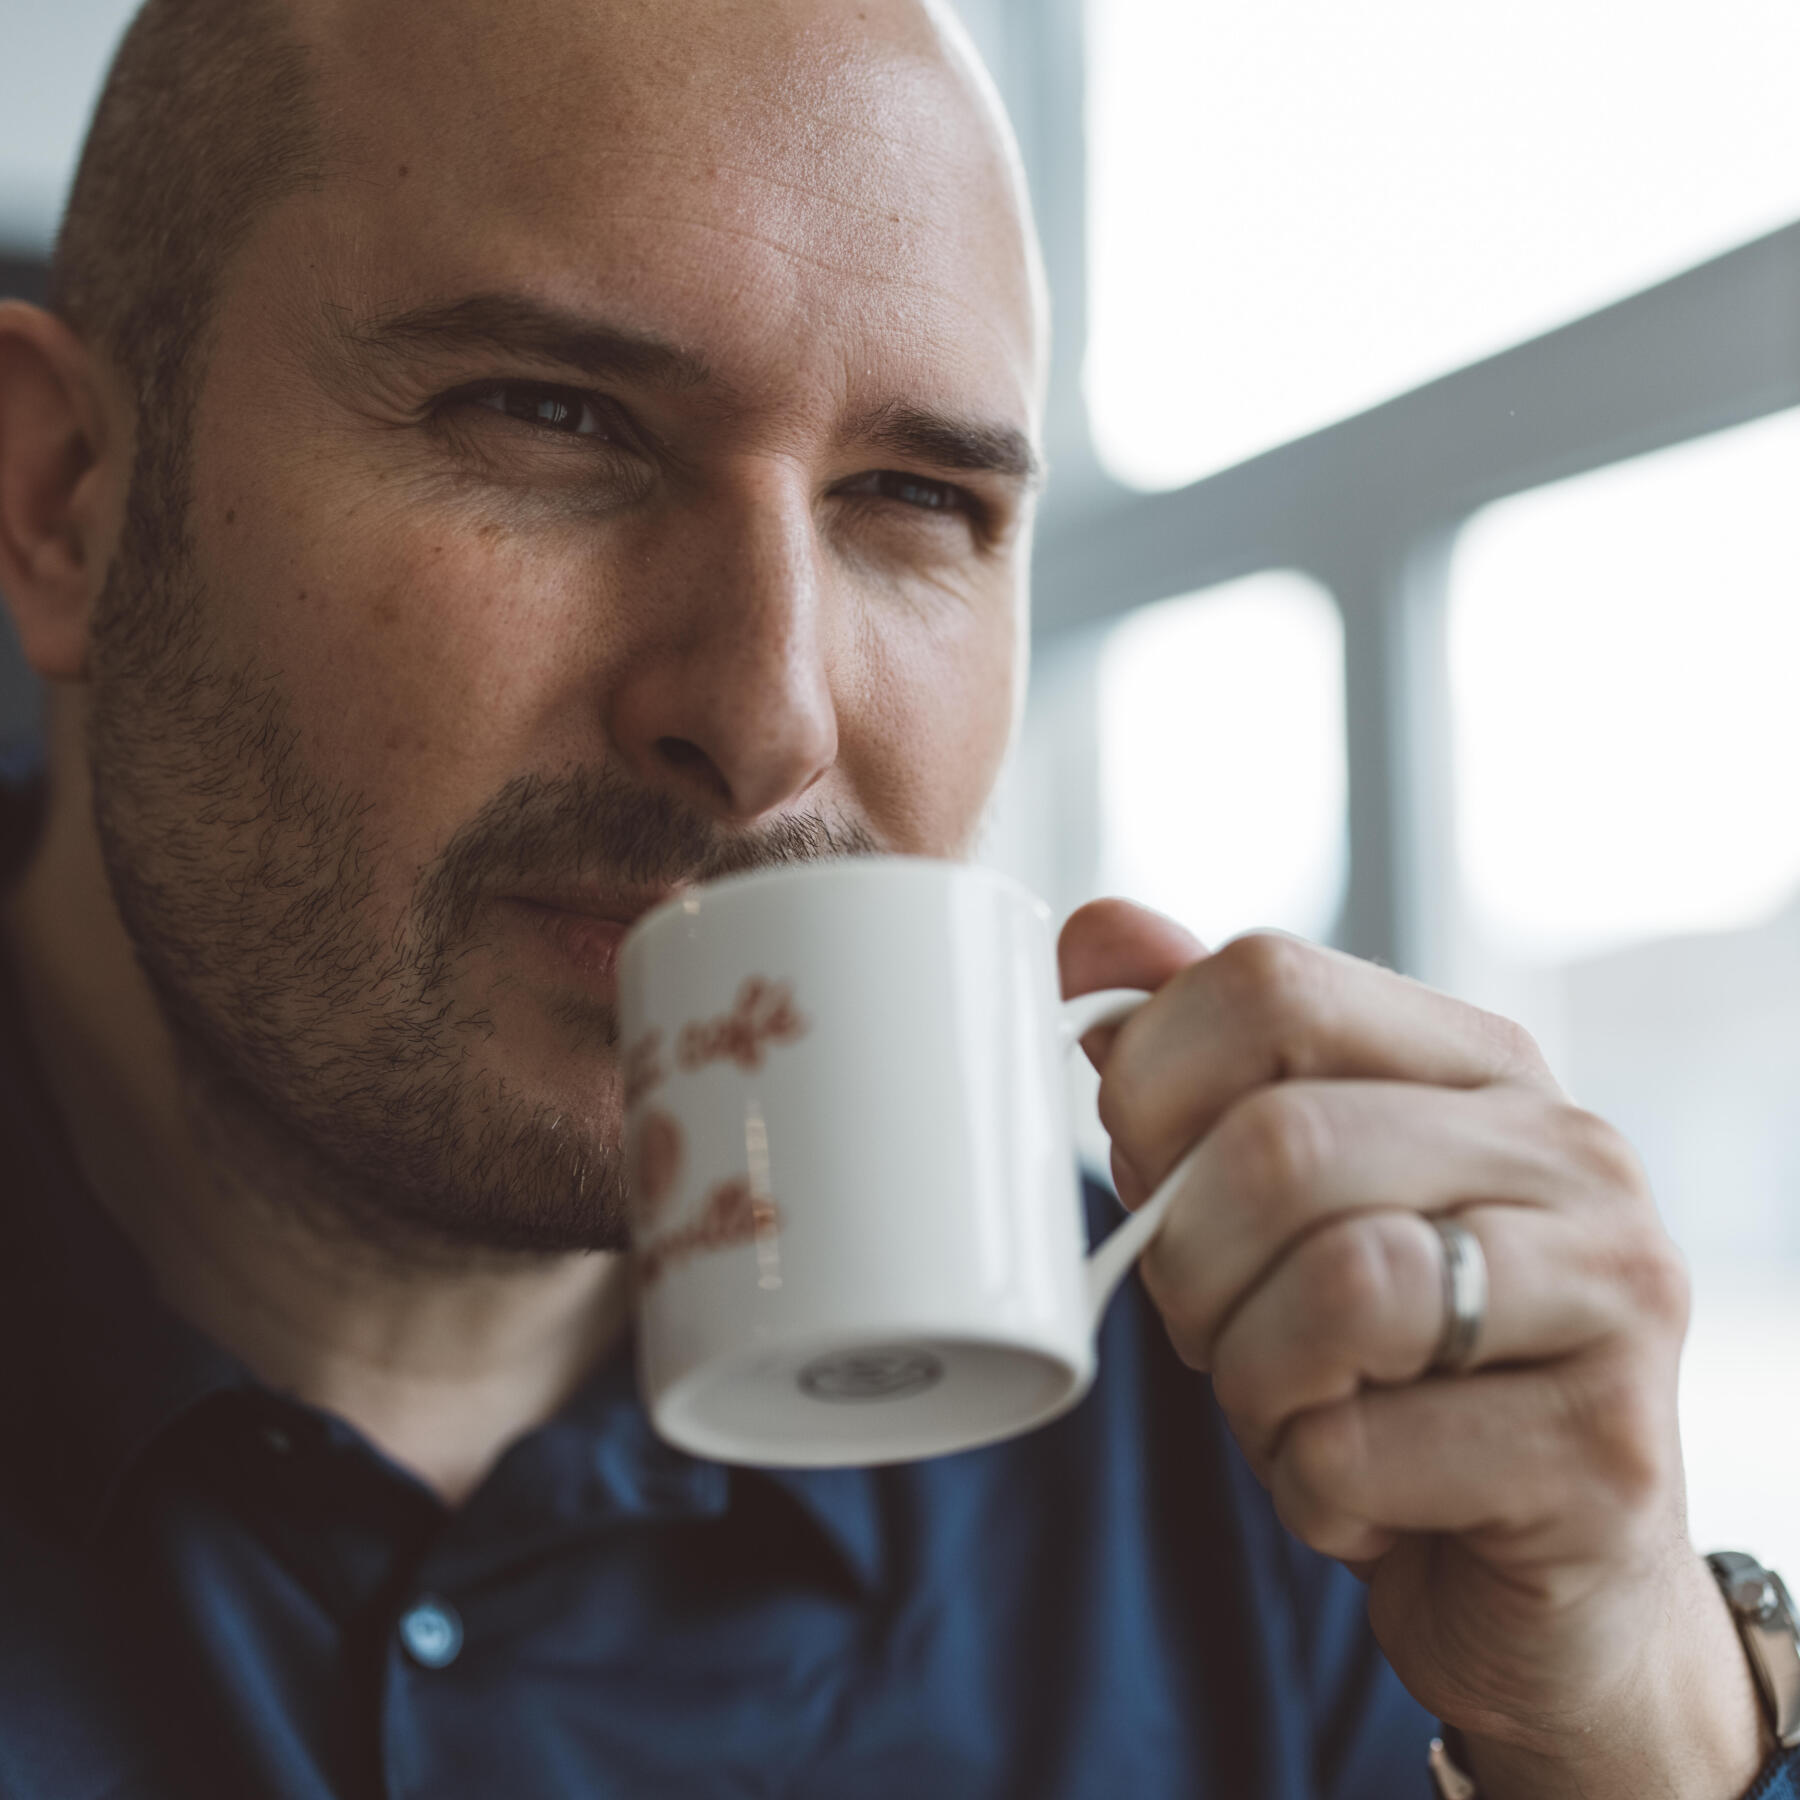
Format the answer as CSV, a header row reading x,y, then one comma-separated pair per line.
x,y
727,701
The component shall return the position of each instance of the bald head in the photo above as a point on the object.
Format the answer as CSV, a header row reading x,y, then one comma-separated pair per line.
x,y
215,111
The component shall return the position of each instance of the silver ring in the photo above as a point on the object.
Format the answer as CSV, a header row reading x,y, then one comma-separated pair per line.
x,y
1465,1297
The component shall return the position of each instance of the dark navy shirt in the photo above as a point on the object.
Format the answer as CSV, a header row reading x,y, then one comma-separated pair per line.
x,y
207,1588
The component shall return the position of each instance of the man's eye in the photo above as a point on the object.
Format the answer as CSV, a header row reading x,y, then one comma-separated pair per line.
x,y
910,490
564,410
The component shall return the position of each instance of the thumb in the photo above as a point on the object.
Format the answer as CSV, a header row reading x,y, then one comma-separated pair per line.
x,y
1114,943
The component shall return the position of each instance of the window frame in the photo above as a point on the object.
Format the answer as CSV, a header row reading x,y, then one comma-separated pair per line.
x,y
1370,506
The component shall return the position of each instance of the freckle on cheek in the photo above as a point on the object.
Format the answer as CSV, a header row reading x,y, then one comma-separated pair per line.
x,y
231,515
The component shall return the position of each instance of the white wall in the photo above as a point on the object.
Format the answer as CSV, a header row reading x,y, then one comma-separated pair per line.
x,y
55,54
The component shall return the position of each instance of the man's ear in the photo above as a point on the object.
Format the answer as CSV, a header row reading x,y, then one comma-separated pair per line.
x,y
61,487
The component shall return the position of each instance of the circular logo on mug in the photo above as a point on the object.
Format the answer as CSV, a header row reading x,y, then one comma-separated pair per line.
x,y
880,1374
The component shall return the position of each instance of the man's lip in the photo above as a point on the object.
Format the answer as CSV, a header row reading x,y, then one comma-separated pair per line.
x,y
585,929
609,907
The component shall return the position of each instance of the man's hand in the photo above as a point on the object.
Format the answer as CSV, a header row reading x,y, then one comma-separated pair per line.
x,y
1521,1526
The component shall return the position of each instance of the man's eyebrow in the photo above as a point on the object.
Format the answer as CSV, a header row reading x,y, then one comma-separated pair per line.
x,y
951,443
519,325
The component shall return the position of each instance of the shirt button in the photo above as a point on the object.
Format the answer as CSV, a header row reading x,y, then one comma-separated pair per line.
x,y
277,1440
432,1633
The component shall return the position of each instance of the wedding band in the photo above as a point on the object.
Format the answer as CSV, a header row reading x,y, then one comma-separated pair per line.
x,y
1465,1297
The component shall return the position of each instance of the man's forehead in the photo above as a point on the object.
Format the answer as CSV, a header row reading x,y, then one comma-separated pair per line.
x,y
678,144
661,68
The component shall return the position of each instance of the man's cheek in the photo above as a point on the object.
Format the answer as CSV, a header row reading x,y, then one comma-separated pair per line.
x,y
934,738
983,697
427,657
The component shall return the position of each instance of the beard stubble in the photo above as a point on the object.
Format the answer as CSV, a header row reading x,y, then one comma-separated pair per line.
x,y
329,1043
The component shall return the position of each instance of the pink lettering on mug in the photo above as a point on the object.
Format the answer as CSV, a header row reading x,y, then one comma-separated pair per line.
x,y
655,1164
732,1214
644,1072
763,1013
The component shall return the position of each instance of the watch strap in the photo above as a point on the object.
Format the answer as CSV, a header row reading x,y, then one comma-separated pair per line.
x,y
1764,1614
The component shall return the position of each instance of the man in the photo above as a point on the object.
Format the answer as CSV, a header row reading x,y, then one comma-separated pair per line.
x,y
488,465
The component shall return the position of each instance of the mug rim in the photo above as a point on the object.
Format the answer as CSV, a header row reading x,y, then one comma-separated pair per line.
x,y
690,901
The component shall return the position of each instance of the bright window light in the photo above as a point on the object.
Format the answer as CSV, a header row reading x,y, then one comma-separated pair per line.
x,y
1736,1375
1222,757
1623,656
1300,208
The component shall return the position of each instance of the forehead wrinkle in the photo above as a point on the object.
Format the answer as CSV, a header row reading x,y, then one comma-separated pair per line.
x,y
883,273
886,212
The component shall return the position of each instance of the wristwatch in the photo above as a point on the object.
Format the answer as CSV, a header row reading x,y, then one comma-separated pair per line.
x,y
1760,1605
1766,1621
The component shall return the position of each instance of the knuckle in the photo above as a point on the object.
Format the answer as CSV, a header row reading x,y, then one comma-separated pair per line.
x,y
1184,1327
1301,1513
1237,1389
1245,1389
1121,1113
1132,1097
1271,976
1321,1458
1114,1107
1274,1145
1320,1528
1600,1151
1183,1297
1346,1276
1514,1046
1650,1272
1622,1422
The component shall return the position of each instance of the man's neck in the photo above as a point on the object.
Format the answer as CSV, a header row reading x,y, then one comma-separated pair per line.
x,y
441,1361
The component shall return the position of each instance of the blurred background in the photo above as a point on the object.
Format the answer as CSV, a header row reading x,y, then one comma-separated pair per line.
x,y
1420,569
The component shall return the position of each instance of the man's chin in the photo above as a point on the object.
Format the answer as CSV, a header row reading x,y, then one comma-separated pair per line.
x,y
532,1159
498,1153
524,1181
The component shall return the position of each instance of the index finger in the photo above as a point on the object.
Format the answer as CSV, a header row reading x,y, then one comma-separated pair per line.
x,y
1267,1008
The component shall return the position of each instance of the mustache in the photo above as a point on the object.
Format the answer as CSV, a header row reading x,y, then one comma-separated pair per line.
x,y
596,825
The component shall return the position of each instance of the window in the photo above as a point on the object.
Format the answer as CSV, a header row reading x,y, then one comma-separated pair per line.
x,y
1299,209
1222,779
1624,659
1623,656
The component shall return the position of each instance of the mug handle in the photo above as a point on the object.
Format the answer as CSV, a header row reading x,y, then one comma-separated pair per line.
x,y
1108,1261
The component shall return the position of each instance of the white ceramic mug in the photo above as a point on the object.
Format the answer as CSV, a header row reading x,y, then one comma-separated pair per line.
x,y
857,1215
